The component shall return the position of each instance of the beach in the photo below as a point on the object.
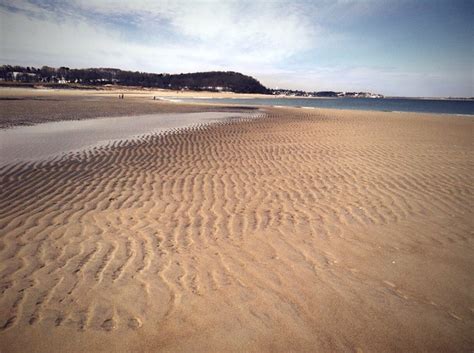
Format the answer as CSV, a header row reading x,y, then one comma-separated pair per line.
x,y
294,230
22,106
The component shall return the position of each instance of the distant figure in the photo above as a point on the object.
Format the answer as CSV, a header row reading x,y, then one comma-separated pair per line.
x,y
154,97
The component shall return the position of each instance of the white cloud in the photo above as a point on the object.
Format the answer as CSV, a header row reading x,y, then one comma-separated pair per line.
x,y
255,37
229,34
268,30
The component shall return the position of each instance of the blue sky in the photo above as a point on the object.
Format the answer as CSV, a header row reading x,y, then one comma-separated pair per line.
x,y
397,47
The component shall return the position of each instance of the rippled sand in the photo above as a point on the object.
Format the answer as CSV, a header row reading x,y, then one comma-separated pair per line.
x,y
299,231
53,140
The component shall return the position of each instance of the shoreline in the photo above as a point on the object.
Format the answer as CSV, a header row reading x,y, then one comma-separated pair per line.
x,y
212,93
268,102
59,105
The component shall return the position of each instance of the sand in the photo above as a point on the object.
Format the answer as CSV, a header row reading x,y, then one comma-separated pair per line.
x,y
299,231
55,139
21,106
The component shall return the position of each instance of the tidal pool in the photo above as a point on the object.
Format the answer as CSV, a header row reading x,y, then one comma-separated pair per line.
x,y
53,139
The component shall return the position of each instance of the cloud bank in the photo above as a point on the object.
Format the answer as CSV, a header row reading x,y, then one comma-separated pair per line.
x,y
151,35
281,43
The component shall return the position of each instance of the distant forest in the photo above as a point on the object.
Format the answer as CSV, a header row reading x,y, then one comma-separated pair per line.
x,y
208,81
227,81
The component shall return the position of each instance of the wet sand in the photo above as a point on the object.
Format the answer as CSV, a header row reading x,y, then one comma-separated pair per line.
x,y
21,106
53,140
299,231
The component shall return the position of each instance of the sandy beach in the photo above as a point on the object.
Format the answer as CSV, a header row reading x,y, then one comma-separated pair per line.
x,y
22,106
298,230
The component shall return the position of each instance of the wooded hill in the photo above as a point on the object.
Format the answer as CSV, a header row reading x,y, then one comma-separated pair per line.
x,y
209,81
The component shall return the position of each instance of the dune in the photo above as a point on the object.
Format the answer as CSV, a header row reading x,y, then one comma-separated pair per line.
x,y
298,231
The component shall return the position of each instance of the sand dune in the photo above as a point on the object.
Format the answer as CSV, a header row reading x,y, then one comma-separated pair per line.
x,y
299,231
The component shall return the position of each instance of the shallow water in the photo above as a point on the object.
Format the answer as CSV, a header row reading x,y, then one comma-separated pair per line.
x,y
42,141
439,106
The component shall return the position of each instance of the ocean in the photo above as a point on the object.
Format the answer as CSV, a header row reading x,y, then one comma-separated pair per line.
x,y
440,106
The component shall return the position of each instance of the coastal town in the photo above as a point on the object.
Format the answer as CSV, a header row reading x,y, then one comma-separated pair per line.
x,y
324,94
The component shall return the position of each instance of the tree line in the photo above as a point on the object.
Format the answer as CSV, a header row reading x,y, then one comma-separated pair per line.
x,y
212,80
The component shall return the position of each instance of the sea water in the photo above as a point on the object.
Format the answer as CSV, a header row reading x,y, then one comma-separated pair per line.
x,y
440,106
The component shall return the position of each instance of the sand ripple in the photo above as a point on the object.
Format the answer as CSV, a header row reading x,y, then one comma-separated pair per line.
x,y
301,230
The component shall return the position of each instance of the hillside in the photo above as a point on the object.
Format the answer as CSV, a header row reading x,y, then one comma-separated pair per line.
x,y
209,81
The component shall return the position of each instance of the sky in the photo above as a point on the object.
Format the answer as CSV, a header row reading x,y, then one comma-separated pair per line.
x,y
421,48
